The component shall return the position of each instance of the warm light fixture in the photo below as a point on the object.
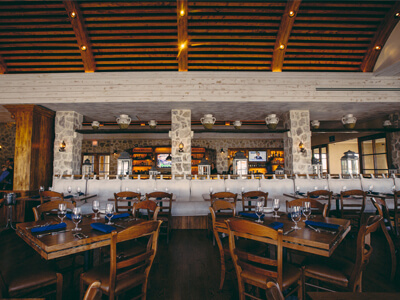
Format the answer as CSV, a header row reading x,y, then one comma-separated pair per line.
x,y
182,12
182,46
169,158
291,13
227,123
83,48
302,148
115,153
1,148
181,147
377,47
95,143
142,124
62,147
282,46
222,151
397,15
73,15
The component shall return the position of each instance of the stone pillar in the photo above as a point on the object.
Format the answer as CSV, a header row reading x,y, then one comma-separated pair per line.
x,y
298,123
181,132
68,162
394,142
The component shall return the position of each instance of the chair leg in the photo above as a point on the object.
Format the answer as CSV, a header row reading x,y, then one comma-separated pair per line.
x,y
59,287
82,289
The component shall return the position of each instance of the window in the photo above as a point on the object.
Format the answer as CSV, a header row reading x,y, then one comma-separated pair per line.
x,y
373,154
321,153
100,163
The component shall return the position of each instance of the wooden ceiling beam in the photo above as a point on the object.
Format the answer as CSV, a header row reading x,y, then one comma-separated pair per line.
x,y
381,35
282,38
3,66
183,42
82,37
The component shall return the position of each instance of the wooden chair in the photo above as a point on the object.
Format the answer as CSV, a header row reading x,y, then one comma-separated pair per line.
x,y
124,201
396,212
322,195
224,196
255,270
316,206
93,292
219,226
380,205
49,206
341,273
352,206
249,198
165,211
50,195
150,206
273,291
123,273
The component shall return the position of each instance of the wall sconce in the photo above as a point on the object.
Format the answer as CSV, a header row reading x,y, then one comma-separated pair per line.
x,y
169,158
181,147
222,151
62,147
1,148
302,148
95,143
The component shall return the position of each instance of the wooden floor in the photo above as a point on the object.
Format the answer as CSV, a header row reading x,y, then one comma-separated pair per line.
x,y
188,268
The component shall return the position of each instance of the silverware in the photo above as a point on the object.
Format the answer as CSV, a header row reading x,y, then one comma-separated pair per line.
x,y
287,232
52,233
37,226
120,226
313,228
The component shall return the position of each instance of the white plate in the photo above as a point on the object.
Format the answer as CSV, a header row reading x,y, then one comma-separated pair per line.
x,y
268,210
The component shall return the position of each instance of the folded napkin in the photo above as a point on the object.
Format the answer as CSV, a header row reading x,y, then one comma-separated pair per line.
x,y
69,216
323,225
123,215
311,196
254,197
35,197
301,193
374,193
276,225
250,215
103,227
68,196
49,227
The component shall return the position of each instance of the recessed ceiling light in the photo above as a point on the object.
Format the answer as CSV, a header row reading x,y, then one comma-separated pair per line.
x,y
182,46
282,46
397,15
377,47
73,15
182,12
291,13
83,48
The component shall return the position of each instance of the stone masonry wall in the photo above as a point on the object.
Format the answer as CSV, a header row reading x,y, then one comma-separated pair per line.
x,y
7,141
181,131
395,141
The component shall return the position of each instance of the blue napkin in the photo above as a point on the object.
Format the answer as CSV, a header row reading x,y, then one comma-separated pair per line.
x,y
68,216
49,227
374,193
35,197
311,196
323,225
254,197
68,196
250,215
276,225
123,215
301,193
103,227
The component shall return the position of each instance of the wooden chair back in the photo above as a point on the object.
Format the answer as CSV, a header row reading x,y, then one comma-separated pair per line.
x,y
249,198
325,195
218,206
93,292
49,206
124,266
352,205
50,195
124,201
396,212
226,196
273,292
244,261
165,200
148,205
316,206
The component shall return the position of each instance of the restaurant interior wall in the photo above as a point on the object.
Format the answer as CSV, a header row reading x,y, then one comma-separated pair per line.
x,y
7,141
336,151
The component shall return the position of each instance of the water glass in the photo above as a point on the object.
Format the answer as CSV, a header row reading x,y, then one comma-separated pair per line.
x,y
69,189
62,211
76,218
95,208
295,214
276,206
41,189
109,213
78,190
306,209
259,211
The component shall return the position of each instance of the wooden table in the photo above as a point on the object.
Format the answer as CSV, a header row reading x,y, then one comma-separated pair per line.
x,y
352,296
81,198
62,244
306,239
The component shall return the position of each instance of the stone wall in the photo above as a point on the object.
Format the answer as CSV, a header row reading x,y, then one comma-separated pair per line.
x,y
7,141
181,132
395,141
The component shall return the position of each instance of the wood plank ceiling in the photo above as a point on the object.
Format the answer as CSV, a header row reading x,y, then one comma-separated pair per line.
x,y
294,35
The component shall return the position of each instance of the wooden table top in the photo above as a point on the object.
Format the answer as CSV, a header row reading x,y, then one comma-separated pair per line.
x,y
307,240
352,296
62,244
81,198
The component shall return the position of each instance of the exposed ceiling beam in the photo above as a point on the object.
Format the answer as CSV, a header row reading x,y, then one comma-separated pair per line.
x,y
82,37
183,43
3,66
282,38
381,35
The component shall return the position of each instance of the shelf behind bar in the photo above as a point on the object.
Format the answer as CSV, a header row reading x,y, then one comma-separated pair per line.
x,y
138,130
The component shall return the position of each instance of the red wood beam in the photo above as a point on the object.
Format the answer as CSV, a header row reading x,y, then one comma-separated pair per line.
x,y
183,43
285,28
3,66
82,37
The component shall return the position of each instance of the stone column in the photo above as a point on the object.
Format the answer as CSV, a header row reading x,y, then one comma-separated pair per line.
x,y
181,132
394,142
298,123
68,162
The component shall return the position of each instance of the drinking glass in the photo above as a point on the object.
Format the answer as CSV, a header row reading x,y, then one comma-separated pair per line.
x,y
76,218
210,189
344,188
50,188
276,207
78,190
297,190
62,211
41,189
393,188
95,208
69,189
371,188
307,209
259,211
295,214
109,213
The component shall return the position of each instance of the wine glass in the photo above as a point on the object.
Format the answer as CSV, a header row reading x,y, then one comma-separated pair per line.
x,y
344,188
76,218
307,209
276,206
259,211
297,190
210,190
95,208
109,213
62,211
78,190
371,187
41,188
50,188
69,189
295,214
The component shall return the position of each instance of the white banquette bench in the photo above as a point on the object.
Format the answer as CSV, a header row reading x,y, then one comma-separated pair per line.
x,y
189,191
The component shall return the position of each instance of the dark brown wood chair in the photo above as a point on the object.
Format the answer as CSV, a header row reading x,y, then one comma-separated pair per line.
x,y
125,272
250,197
93,292
124,201
352,206
316,206
273,291
148,205
165,212
339,273
254,270
219,227
50,195
224,196
50,206
322,196
395,214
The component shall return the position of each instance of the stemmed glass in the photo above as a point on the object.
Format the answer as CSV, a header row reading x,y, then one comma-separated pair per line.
x,y
307,209
371,188
41,188
78,190
295,214
109,213
62,211
259,211
297,190
95,208
69,189
76,218
276,206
